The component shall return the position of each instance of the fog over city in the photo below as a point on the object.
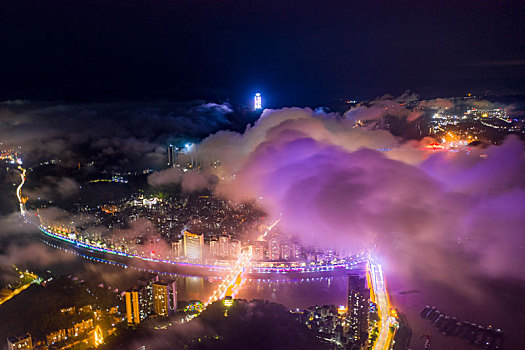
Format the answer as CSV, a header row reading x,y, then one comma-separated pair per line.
x,y
236,174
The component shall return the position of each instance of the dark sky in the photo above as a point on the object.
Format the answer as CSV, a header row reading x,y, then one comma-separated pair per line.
x,y
294,52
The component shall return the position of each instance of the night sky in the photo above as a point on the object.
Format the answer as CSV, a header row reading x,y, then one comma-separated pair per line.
x,y
294,52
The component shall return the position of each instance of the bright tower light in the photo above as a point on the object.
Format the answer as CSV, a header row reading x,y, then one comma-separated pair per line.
x,y
257,104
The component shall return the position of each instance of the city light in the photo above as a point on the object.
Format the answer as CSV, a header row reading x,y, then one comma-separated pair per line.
x,y
98,336
228,301
158,208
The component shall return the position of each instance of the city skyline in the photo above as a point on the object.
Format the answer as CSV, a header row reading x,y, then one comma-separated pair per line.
x,y
176,222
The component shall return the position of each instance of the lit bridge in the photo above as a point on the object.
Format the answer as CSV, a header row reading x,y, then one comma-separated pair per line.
x,y
379,296
231,284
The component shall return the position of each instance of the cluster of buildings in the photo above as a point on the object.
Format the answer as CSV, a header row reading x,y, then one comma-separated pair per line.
x,y
171,214
150,297
208,216
21,341
195,247
87,326
454,121
461,127
277,250
347,327
185,228
11,156
83,332
224,247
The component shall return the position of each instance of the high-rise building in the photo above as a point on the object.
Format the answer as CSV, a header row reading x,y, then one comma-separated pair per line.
x,y
358,304
258,250
329,254
214,247
21,341
274,250
139,303
296,250
257,101
164,298
224,246
176,248
235,248
193,245
286,251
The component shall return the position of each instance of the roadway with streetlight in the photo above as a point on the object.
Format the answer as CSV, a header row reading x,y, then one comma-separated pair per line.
x,y
386,313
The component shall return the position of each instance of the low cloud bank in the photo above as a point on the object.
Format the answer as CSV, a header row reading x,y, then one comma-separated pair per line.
x,y
112,135
453,215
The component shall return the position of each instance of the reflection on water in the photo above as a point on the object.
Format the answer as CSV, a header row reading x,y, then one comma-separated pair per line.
x,y
195,288
293,293
298,293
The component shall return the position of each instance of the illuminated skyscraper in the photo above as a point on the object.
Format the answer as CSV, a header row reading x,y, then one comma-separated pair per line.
x,y
329,254
296,250
274,250
258,250
257,102
286,252
139,303
176,248
224,246
358,296
235,248
214,247
164,298
193,245
22,341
